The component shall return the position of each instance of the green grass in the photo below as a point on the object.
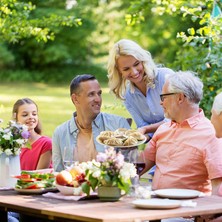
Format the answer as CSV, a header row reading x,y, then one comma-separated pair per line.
x,y
55,105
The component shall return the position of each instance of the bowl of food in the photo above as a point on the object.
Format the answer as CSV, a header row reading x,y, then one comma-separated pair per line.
x,y
68,182
69,190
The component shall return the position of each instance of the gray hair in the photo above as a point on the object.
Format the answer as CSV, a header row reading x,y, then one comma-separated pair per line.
x,y
217,104
188,83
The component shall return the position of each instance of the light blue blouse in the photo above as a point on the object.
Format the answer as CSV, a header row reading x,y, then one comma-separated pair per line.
x,y
147,110
65,135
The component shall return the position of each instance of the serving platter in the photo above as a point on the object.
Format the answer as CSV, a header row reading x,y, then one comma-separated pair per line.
x,y
177,193
156,203
117,146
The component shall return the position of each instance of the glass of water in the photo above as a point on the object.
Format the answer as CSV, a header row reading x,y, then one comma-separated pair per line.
x,y
68,161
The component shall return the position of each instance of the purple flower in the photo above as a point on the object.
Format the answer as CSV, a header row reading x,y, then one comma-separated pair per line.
x,y
101,157
25,134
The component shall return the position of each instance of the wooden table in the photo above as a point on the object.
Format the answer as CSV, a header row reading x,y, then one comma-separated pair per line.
x,y
94,210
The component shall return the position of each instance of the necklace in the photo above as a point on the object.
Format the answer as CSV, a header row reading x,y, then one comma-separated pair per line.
x,y
82,127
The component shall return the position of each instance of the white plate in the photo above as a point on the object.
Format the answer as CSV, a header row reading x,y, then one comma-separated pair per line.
x,y
139,143
35,191
177,193
156,203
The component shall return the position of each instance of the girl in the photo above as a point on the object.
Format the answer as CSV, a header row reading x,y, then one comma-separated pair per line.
x,y
25,111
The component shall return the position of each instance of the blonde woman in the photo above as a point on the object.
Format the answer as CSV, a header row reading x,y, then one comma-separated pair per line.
x,y
135,79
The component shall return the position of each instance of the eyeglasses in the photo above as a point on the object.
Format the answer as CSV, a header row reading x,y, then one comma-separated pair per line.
x,y
162,96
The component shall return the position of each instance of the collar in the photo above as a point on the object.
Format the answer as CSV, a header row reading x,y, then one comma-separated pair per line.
x,y
192,121
74,128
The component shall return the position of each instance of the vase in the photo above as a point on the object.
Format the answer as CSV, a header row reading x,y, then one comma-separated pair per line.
x,y
109,193
9,165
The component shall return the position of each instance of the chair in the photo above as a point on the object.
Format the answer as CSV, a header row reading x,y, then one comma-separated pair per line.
x,y
130,121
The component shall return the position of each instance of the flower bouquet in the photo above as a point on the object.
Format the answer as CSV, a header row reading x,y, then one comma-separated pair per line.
x,y
110,170
13,137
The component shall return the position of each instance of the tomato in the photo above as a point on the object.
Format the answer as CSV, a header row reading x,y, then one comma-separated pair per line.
x,y
32,186
23,176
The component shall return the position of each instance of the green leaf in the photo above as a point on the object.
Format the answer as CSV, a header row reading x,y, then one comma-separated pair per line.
x,y
86,188
191,31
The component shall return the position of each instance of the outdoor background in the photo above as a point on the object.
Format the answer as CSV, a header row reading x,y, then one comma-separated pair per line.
x,y
44,44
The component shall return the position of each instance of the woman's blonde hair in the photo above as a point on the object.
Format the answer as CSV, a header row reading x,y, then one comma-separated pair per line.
x,y
117,84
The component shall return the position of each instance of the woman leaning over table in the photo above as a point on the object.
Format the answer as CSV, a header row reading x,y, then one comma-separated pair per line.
x,y
134,78
39,156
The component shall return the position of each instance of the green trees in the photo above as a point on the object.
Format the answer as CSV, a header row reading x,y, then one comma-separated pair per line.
x,y
202,47
17,22
49,41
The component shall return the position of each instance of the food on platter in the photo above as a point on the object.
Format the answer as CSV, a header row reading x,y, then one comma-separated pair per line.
x,y
107,133
137,135
69,181
34,180
121,138
128,132
103,138
120,131
130,141
113,141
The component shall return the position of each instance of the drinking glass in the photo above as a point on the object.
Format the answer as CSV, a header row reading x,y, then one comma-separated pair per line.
x,y
140,162
68,161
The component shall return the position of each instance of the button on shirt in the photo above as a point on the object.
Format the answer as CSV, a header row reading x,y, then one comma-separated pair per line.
x,y
187,155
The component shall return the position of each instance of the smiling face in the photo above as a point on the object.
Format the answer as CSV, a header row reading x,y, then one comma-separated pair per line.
x,y
28,115
89,98
131,68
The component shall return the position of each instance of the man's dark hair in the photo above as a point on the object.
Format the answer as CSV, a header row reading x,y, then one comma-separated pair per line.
x,y
75,83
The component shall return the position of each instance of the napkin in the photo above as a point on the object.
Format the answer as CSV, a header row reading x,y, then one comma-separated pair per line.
x,y
60,196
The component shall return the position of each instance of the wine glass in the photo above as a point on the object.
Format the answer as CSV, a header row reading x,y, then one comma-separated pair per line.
x,y
140,162
68,161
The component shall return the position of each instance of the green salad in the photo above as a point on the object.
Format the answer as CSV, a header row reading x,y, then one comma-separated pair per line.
x,y
35,180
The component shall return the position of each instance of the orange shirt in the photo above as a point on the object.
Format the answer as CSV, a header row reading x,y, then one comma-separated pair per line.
x,y
187,155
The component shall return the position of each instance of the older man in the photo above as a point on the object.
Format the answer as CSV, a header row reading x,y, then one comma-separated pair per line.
x,y
78,135
185,150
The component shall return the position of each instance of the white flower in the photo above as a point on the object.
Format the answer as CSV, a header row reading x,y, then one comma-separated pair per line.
x,y
8,152
20,141
17,151
96,173
127,171
7,136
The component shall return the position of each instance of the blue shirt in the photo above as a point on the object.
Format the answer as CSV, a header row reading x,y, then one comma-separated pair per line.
x,y
147,110
65,135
